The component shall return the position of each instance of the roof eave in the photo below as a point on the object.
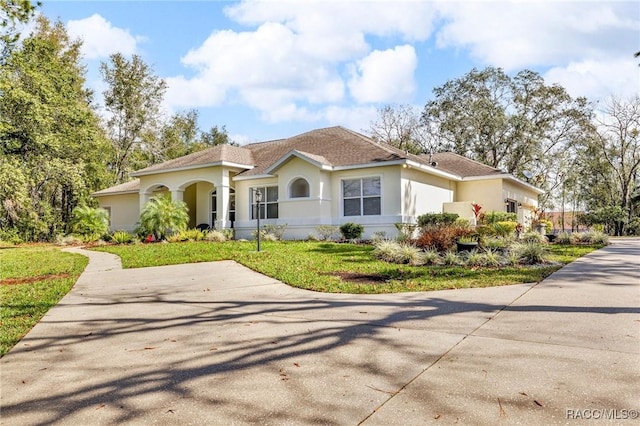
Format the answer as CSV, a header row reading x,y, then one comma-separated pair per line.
x,y
131,191
192,167
507,177
295,153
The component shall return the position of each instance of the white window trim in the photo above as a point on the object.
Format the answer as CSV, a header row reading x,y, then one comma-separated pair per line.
x,y
362,196
252,190
289,197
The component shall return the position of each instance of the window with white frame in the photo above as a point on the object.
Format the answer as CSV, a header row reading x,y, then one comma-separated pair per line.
x,y
299,188
268,206
362,197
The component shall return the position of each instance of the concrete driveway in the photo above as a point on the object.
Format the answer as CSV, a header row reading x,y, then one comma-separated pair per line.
x,y
216,343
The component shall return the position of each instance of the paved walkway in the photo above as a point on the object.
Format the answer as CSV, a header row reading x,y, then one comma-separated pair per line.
x,y
215,343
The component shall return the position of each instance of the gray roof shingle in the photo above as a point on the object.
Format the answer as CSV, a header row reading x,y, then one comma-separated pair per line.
x,y
333,146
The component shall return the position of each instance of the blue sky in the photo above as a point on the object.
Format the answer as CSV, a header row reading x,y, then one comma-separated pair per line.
x,y
273,69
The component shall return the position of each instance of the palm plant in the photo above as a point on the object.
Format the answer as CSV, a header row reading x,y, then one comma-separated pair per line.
x,y
90,222
161,216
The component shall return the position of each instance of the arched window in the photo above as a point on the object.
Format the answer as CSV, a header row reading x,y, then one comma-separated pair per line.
x,y
299,188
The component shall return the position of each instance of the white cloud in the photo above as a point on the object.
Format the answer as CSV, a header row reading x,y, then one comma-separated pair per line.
x,y
598,79
293,62
357,118
101,39
385,76
513,35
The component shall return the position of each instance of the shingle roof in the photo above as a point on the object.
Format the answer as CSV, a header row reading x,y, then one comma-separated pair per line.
x,y
461,166
213,155
131,186
331,146
337,145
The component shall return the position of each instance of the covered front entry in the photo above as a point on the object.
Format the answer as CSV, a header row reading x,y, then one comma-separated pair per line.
x,y
210,200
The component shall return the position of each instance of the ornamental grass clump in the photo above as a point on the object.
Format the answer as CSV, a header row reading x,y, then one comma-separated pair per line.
x,y
565,238
395,252
530,253
534,237
451,258
473,258
431,257
215,236
493,257
593,237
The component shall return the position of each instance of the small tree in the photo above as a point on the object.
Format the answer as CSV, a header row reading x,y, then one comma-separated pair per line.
x,y
90,222
161,216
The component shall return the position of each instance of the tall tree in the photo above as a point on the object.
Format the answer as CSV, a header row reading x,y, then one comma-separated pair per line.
x,y
518,124
401,126
611,167
132,100
13,12
51,142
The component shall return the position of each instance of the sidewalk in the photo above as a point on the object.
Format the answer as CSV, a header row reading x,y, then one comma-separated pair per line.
x,y
216,343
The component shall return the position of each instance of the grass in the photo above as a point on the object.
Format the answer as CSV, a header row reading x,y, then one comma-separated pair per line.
x,y
32,279
339,268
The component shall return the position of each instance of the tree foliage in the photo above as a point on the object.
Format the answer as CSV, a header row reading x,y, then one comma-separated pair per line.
x,y
518,124
610,162
13,12
401,126
132,100
51,142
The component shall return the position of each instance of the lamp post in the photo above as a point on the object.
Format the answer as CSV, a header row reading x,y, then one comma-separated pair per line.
x,y
258,198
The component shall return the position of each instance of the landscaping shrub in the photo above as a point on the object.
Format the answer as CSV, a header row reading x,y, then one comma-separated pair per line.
x,y
405,231
529,253
493,257
493,217
495,243
379,235
430,257
187,235
215,236
351,231
436,219
68,240
276,230
327,232
161,217
503,228
451,258
90,223
534,237
565,238
396,252
121,237
473,258
440,238
593,237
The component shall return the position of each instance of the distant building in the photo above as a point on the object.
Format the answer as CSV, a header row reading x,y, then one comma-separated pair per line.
x,y
567,218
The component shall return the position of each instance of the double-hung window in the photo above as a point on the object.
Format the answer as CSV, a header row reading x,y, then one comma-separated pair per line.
x,y
268,206
361,197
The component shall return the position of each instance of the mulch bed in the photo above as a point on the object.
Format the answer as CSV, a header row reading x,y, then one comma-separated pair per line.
x,y
31,280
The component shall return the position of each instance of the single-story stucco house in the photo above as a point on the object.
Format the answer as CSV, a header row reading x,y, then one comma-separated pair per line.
x,y
326,176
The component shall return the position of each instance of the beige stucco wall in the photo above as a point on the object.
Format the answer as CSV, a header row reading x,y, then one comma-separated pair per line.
x,y
490,194
124,211
424,193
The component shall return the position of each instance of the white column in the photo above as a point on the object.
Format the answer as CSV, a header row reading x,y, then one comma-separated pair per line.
x,y
176,194
223,202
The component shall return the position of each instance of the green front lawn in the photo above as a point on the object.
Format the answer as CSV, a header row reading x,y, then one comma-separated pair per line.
x,y
32,280
337,267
